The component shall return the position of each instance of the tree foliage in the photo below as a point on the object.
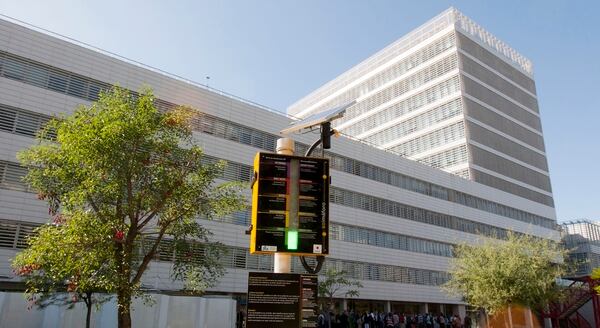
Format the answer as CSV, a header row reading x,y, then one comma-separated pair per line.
x,y
596,275
136,172
494,274
68,261
335,283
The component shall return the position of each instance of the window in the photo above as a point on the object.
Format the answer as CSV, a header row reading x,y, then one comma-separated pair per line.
x,y
57,82
7,118
15,67
27,124
77,87
37,76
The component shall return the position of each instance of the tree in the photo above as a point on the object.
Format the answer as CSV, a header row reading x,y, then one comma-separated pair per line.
x,y
336,284
494,274
138,173
69,255
596,275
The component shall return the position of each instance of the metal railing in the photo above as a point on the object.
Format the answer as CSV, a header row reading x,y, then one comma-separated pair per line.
x,y
138,64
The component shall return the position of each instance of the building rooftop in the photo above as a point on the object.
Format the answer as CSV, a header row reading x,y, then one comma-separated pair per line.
x,y
136,63
587,229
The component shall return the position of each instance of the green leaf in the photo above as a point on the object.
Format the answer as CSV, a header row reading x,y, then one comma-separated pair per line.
x,y
491,274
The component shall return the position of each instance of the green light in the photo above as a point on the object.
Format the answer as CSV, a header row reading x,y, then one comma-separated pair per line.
x,y
292,239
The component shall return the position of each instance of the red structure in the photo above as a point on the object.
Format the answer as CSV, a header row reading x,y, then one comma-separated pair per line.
x,y
566,314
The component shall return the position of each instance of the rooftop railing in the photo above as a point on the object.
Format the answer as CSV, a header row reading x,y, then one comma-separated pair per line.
x,y
138,64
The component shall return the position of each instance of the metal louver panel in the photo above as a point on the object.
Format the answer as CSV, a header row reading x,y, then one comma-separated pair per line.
x,y
8,231
14,234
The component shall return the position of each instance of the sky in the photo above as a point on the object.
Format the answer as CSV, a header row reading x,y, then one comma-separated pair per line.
x,y
275,52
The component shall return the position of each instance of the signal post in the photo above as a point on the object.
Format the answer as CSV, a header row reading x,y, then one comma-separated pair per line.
x,y
290,216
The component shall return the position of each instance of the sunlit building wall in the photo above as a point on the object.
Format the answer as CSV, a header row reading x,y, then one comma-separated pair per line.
x,y
394,221
449,95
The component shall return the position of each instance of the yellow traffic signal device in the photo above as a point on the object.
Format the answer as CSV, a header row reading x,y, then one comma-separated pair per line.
x,y
290,205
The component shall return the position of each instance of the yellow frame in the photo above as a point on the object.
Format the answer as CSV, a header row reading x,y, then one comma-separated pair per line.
x,y
254,221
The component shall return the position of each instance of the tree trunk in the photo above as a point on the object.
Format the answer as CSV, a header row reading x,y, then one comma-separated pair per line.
x,y
123,257
124,309
88,304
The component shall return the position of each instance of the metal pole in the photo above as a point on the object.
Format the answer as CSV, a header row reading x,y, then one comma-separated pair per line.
x,y
283,262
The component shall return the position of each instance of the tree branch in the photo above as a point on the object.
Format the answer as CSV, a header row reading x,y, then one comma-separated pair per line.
x,y
94,206
143,223
154,212
148,257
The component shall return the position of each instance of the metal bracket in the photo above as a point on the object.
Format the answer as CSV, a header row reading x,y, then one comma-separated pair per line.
x,y
254,178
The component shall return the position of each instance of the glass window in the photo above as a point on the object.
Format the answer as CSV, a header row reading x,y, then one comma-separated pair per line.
x,y
27,124
77,87
37,76
14,69
93,91
7,118
57,82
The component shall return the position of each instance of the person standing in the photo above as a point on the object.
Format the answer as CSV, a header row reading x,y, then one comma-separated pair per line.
x,y
468,322
352,319
323,320
396,320
456,321
334,319
369,322
389,320
344,320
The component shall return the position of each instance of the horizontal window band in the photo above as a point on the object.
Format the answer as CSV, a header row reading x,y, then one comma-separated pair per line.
x,y
218,127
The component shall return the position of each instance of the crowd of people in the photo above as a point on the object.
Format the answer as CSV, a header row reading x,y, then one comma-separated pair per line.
x,y
390,320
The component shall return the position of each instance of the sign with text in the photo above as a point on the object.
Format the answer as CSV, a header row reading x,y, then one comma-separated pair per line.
x,y
282,300
290,205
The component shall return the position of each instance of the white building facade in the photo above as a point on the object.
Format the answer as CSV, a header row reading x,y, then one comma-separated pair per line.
x,y
449,95
394,221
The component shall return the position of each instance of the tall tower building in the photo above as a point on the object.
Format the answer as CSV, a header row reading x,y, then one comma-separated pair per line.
x,y
450,95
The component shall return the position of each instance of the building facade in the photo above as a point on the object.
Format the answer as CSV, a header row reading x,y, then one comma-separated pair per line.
x,y
394,221
449,95
582,238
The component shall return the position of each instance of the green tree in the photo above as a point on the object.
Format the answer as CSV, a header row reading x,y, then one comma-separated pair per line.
x,y
596,275
335,283
136,171
71,255
494,274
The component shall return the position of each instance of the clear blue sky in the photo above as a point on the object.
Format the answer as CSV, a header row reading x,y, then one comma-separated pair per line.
x,y
275,52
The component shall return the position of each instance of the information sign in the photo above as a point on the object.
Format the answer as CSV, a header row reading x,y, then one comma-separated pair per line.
x,y
282,300
290,205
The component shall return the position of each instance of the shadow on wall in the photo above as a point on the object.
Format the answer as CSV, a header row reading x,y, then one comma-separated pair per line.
x,y
167,311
